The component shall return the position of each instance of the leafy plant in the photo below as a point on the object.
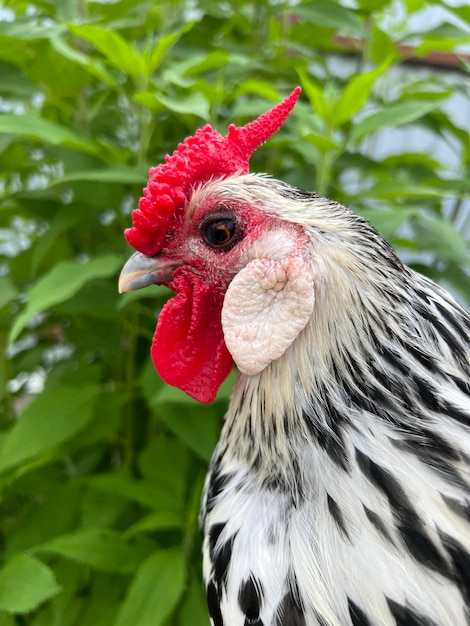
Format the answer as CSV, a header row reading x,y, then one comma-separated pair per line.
x,y
101,464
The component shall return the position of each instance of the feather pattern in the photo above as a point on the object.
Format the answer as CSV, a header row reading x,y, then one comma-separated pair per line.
x,y
339,491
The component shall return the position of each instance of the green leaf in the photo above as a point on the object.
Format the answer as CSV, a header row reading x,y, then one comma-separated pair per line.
x,y
159,295
194,605
14,82
63,281
25,583
113,46
94,67
161,453
388,222
374,5
464,64
330,15
165,42
141,491
160,520
443,238
382,45
7,290
155,590
462,11
356,94
315,95
445,30
109,407
193,104
458,278
323,143
198,427
262,88
413,5
436,188
112,174
393,115
393,189
8,619
198,63
52,418
100,548
63,221
171,394
53,516
432,45
43,130
27,29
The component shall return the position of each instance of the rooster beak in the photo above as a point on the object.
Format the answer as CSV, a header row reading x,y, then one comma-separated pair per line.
x,y
142,271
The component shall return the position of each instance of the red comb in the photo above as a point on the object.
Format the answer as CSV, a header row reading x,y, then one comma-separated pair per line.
x,y
199,158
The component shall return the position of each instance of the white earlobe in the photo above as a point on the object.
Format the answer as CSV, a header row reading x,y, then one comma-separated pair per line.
x,y
266,306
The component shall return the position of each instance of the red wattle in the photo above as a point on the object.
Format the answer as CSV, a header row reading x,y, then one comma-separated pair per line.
x,y
188,348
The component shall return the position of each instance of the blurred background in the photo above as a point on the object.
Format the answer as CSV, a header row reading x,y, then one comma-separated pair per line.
x,y
101,464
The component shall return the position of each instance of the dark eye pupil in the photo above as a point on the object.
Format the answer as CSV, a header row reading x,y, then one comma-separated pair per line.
x,y
221,230
220,233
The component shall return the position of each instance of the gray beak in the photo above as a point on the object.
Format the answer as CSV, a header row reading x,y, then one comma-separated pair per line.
x,y
142,271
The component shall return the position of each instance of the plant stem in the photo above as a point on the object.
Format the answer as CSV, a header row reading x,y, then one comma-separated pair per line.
x,y
324,173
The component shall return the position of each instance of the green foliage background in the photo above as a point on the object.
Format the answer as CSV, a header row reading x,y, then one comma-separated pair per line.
x,y
101,472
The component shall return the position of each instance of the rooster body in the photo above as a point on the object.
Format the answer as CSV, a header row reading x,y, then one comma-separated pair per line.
x,y
338,494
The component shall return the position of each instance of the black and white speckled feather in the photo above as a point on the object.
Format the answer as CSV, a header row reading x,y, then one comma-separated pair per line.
x,y
338,494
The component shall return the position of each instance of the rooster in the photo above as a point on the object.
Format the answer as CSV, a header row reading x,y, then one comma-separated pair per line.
x,y
338,493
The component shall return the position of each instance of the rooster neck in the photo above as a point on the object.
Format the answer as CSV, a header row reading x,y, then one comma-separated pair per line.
x,y
400,372
339,491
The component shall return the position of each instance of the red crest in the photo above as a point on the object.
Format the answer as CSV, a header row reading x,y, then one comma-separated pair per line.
x,y
199,158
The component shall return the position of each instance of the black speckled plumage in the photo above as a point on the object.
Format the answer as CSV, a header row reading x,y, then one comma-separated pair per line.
x,y
341,480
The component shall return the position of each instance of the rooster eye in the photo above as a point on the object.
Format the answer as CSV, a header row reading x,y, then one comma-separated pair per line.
x,y
220,232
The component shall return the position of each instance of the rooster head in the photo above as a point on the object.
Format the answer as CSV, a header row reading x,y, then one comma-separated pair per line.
x,y
207,242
